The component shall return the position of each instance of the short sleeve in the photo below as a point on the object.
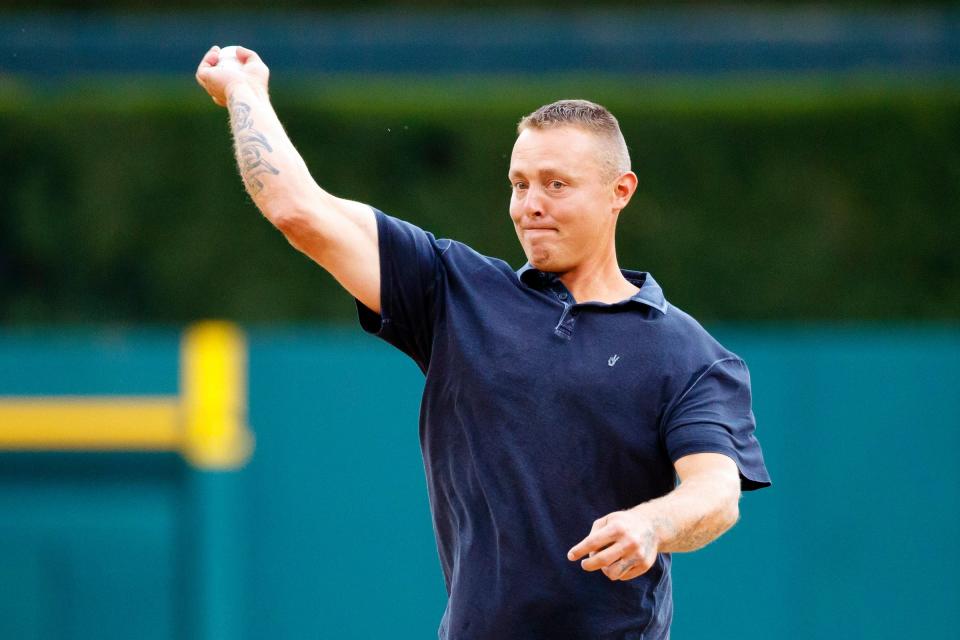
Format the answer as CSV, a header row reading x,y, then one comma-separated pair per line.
x,y
714,414
409,271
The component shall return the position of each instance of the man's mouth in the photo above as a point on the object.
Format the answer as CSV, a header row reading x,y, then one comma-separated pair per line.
x,y
538,229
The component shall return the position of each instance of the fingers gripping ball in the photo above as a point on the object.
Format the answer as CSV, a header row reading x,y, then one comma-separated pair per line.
x,y
221,68
227,57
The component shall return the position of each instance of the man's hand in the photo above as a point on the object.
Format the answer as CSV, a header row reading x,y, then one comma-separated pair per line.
x,y
623,545
217,79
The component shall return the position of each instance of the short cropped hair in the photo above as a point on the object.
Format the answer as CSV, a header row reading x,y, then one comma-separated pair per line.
x,y
592,117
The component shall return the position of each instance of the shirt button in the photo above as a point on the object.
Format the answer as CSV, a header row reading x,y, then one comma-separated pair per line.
x,y
564,296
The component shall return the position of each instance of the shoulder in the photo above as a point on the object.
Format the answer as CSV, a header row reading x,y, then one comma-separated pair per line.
x,y
460,258
685,324
693,347
454,255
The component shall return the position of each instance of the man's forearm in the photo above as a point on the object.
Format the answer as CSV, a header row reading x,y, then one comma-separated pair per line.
x,y
272,170
338,234
694,514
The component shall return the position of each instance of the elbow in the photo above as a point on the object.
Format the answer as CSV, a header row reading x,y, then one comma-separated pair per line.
x,y
732,512
730,507
289,222
298,227
285,213
292,225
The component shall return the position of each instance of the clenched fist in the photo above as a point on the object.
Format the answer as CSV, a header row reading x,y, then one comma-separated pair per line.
x,y
217,78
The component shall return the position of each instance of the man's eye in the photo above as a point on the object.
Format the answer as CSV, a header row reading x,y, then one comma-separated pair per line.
x,y
519,185
556,184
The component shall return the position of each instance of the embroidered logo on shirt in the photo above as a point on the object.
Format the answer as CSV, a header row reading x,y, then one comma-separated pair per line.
x,y
613,360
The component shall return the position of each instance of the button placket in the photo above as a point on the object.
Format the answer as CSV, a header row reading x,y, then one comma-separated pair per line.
x,y
568,318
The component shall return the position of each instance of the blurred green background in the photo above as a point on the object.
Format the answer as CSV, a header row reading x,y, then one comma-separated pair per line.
x,y
799,194
770,200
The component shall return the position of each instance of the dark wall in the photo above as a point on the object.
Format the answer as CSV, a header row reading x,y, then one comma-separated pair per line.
x,y
81,5
807,200
706,41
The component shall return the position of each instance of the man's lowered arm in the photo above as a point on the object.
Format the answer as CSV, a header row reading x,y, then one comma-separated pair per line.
x,y
705,504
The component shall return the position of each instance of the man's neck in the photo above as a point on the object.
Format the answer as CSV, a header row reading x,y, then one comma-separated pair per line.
x,y
600,281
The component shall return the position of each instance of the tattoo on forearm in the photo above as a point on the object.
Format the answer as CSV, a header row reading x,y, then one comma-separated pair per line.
x,y
251,145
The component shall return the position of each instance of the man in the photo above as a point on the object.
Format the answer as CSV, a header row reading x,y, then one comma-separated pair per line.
x,y
562,401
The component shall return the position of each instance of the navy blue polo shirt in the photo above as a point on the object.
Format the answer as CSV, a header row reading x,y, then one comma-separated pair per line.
x,y
541,414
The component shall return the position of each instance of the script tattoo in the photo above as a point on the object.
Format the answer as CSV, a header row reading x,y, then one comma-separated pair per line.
x,y
251,145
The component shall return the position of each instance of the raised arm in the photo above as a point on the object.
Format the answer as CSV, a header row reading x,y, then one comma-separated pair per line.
x,y
625,544
339,235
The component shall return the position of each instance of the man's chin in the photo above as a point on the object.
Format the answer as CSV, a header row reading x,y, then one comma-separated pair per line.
x,y
544,263
537,262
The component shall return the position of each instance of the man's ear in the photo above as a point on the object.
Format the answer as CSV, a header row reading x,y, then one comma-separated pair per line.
x,y
624,188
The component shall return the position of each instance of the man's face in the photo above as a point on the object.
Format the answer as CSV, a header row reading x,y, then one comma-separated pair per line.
x,y
563,207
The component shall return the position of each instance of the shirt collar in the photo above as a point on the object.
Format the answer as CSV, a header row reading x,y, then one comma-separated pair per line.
x,y
650,292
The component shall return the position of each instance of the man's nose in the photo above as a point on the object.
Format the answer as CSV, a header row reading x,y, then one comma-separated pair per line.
x,y
533,203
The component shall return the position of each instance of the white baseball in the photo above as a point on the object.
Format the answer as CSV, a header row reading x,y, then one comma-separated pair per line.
x,y
228,57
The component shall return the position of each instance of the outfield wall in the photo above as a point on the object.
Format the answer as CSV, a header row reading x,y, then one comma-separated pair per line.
x,y
324,532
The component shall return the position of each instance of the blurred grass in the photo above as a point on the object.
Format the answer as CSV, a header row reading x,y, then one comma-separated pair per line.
x,y
761,198
421,95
